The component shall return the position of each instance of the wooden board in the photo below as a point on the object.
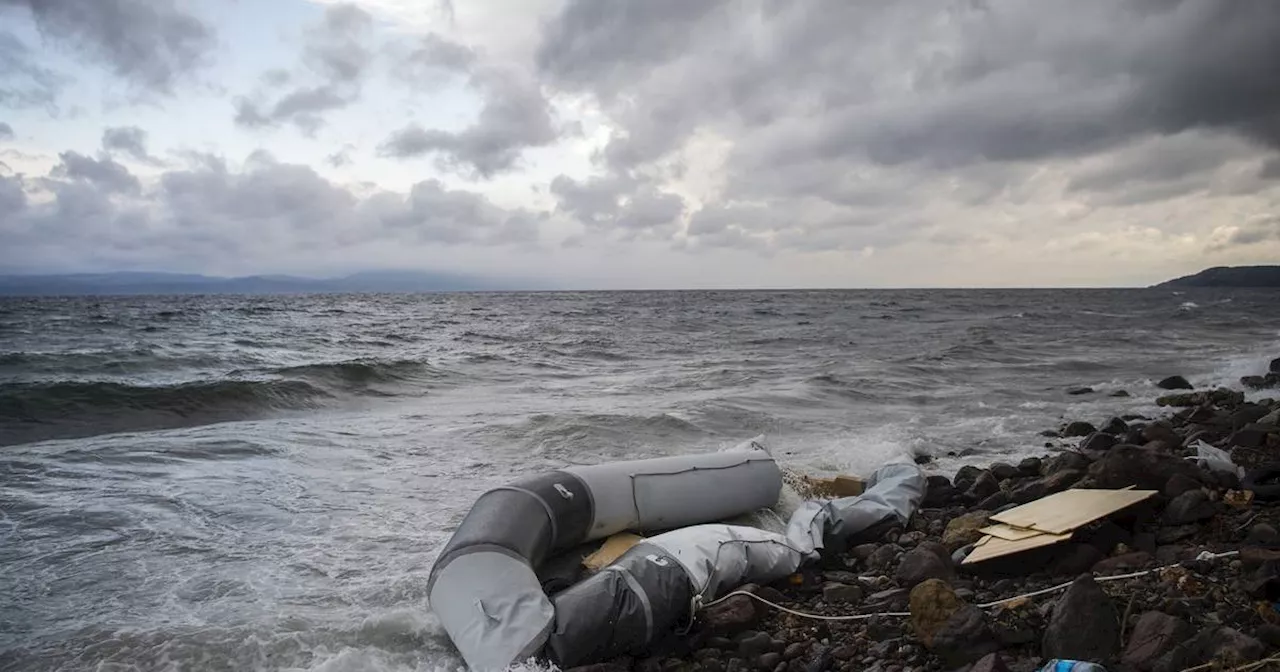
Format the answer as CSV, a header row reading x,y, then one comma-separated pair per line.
x,y
610,550
1009,532
1070,509
995,547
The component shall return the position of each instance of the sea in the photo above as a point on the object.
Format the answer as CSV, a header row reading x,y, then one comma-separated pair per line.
x,y
263,482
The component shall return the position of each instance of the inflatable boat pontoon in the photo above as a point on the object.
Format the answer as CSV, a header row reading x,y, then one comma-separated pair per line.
x,y
485,589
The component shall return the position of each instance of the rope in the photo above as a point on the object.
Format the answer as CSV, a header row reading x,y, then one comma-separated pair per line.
x,y
1247,667
698,605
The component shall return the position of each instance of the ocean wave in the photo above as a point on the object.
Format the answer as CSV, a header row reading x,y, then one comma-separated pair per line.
x,y
38,411
360,373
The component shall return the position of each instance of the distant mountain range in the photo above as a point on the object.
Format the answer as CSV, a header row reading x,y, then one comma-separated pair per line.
x,y
181,283
1230,276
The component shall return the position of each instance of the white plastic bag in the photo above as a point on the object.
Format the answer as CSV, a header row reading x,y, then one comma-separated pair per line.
x,y
1216,459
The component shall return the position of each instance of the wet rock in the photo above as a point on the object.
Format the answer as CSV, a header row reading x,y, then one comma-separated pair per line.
x,y
1097,442
938,493
965,477
1083,626
769,593
863,552
922,564
992,662
1078,428
1252,435
1253,557
1260,382
964,638
1003,471
724,643
795,650
1262,533
983,486
1077,391
1170,554
923,458
892,599
1175,383
1071,559
1189,507
1030,467
619,665
768,661
931,604
1115,426
1172,534
1161,431
1218,397
994,502
1179,484
1124,563
735,614
1274,366
1119,393
1126,465
884,556
1067,461
1269,634
841,593
1227,646
1155,635
819,660
963,529
753,646
844,652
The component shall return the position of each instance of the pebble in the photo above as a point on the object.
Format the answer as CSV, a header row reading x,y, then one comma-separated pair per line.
x,y
794,650
841,593
769,661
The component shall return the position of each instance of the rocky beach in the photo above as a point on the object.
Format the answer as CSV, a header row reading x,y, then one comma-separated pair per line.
x,y
1188,579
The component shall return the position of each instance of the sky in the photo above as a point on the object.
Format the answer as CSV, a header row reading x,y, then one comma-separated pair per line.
x,y
643,143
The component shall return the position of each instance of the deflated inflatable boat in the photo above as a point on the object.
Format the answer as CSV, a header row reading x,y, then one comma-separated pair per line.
x,y
487,595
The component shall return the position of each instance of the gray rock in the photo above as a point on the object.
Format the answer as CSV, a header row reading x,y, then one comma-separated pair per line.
x,y
1083,626
909,539
1175,383
997,500
1078,428
863,552
1161,431
1124,563
1115,426
735,614
1067,461
795,650
1077,391
752,647
938,492
1155,635
620,665
1097,442
984,486
1126,465
921,564
1263,534
768,661
1074,558
837,576
1171,534
841,593
885,556
1229,646
1179,484
965,477
1030,466
1189,507
992,662
1252,435
1003,471
1119,393
965,637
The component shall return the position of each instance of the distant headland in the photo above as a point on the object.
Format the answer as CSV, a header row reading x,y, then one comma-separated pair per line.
x,y
1229,276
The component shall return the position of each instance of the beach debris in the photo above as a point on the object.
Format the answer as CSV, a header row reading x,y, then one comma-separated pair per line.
x,y
1048,520
610,550
827,487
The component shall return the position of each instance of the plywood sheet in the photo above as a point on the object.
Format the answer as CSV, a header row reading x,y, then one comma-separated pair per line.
x,y
1009,532
610,550
995,547
1070,509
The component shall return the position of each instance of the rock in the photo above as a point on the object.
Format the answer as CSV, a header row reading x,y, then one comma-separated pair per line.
x,y
922,458
770,593
1170,534
965,477
984,486
964,638
768,661
1083,626
1252,435
1226,646
885,556
1274,367
735,614
1189,507
1068,460
931,604
1070,559
1030,492
1254,557
726,644
1126,465
938,493
863,552
795,650
1272,418
994,502
910,539
1030,467
1179,484
1218,397
1115,426
1003,471
837,576
963,529
1161,431
1078,428
1175,383
1269,634
752,646
1077,391
1097,442
1155,635
619,665
1259,382
1144,541
1119,393
841,593
922,564
1262,533
1124,563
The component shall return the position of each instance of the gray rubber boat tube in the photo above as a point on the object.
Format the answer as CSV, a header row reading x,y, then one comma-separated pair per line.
x,y
483,587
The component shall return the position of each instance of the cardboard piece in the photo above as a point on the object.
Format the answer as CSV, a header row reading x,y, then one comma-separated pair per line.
x,y
1070,509
610,550
994,547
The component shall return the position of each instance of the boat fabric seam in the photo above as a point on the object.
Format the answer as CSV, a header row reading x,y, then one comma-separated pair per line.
x,y
640,594
700,590
442,563
551,515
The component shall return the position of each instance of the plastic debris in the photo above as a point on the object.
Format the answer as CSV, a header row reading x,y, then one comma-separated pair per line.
x,y
1057,665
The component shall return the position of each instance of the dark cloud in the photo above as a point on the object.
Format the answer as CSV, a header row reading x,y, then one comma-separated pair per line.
x,y
432,57
341,157
627,206
6,131
516,115
337,52
23,81
96,214
1256,232
150,43
102,173
1270,169
129,140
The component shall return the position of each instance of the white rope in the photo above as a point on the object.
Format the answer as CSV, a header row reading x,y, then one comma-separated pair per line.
x,y
697,604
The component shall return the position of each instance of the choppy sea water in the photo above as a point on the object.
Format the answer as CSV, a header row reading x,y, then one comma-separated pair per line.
x,y
239,483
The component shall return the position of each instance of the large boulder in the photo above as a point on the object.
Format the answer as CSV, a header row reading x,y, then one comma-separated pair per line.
x,y
1218,397
1155,635
1189,507
938,492
1083,626
733,615
965,477
1175,383
963,529
921,564
1226,646
965,638
1126,465
932,603
1097,442
1078,428
984,486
